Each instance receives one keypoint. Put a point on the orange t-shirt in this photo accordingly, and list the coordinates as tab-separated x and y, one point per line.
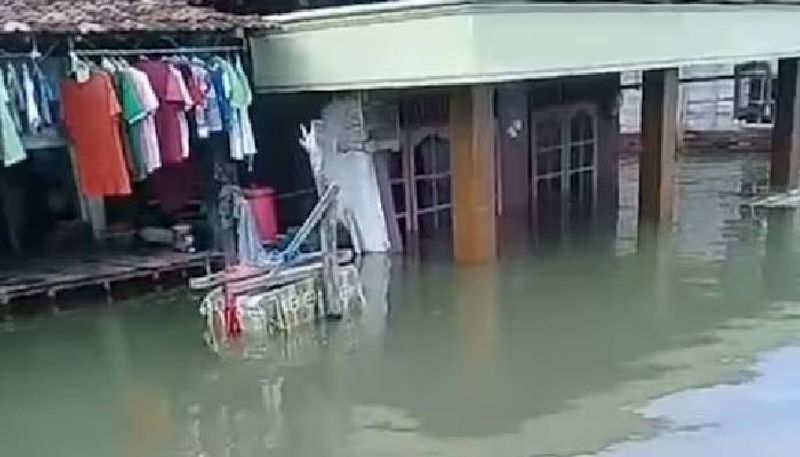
92	117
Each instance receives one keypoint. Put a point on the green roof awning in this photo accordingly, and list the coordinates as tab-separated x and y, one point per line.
423	43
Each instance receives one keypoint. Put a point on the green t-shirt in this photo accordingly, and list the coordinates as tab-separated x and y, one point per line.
239	92
247	94
133	112
132	108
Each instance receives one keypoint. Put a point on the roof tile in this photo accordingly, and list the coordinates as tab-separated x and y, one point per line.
110	16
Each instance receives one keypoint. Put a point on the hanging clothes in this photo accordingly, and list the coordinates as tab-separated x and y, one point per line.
222	93
235	136
45	96
201	83
173	186
16	98
146	129
248	139
133	114
112	70
11	147
92	119
188	104
238	229
33	118
213	113
193	86
170	105
239	97
235	99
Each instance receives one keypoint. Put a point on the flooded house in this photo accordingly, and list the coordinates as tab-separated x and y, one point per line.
450	137
485	118
453	127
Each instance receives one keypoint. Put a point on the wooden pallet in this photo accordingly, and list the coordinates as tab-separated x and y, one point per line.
51	277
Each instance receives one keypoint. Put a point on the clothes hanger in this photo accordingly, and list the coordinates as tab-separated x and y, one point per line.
75	66
35	55
107	64
82	68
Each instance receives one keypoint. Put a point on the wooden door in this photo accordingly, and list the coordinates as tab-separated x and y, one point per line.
564	167
420	177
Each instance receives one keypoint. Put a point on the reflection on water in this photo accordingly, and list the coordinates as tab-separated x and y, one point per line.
557	354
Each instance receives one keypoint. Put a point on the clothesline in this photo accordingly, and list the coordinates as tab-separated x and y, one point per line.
15	55
161	110
33	54
144	51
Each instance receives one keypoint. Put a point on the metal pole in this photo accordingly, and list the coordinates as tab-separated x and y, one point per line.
178	50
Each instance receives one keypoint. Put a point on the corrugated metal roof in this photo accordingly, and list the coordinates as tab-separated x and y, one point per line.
111	16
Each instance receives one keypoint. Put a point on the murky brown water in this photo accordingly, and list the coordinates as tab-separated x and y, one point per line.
686	350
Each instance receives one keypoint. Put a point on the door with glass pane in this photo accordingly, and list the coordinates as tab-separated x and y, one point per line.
564	165
421	186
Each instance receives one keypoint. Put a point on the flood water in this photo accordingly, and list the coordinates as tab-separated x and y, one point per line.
691	348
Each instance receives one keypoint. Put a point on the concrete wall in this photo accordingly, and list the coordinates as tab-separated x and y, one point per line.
348	161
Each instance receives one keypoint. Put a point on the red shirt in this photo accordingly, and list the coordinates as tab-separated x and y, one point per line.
92	117
170	104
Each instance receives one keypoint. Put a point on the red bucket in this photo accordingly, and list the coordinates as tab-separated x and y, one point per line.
262	202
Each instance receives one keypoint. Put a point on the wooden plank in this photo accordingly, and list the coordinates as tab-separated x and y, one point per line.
328	243
95	271
284	277
327	199
226	276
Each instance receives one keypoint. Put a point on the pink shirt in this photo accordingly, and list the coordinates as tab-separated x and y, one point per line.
171	106
187	105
